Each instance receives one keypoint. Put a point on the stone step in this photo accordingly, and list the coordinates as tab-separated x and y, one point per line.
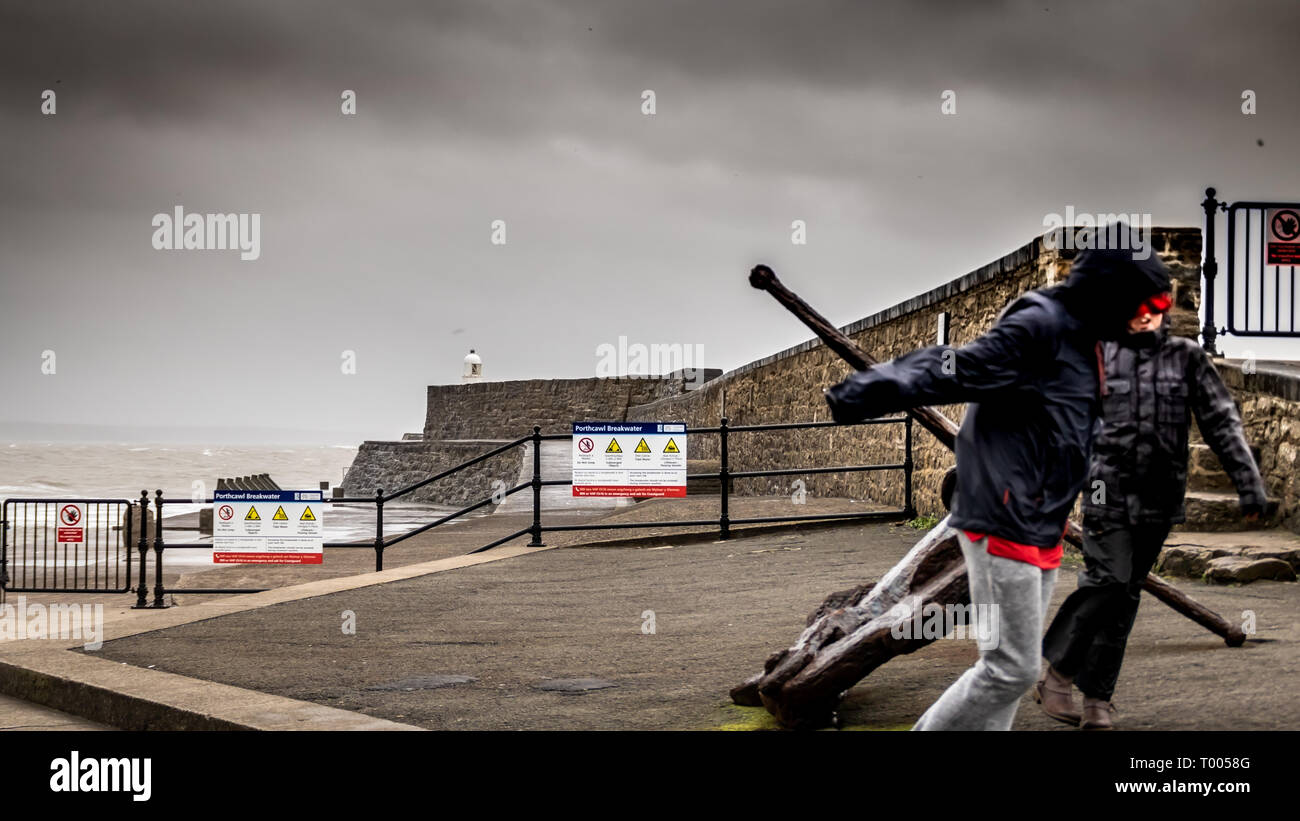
1217	511
1226	558
1204	471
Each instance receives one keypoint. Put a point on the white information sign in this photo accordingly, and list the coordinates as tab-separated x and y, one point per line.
267	527
629	459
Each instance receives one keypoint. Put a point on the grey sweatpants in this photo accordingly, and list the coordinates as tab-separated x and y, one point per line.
987	695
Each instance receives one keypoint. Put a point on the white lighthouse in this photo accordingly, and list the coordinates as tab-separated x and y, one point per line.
473	368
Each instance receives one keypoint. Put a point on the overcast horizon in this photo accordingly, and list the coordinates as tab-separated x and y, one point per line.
376	228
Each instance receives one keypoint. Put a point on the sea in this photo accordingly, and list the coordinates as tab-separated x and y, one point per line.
189	472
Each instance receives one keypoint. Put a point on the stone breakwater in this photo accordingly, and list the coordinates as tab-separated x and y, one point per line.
508	410
465	421
392	466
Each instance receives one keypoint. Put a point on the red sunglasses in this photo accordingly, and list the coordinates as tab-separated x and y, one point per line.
1158	304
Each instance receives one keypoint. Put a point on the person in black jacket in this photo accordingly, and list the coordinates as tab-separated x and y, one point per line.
1138	478
1032	382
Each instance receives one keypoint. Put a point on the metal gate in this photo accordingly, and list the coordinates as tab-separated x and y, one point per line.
1261	291
66	545
1263	251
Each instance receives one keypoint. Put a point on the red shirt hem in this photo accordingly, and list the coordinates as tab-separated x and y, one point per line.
1046	558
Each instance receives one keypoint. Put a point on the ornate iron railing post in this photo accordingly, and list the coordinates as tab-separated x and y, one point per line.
379	529
142	586
1209	269
537	488
724	477
908	509
158	551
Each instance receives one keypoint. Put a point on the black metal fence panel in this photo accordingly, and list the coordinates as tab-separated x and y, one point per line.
66	545
1261	268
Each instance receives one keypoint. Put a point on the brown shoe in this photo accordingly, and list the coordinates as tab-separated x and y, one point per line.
1054	694
1097	714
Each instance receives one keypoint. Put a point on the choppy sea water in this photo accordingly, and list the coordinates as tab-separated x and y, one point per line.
121	470
113	470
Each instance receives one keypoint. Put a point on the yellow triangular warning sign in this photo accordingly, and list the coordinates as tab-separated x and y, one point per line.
252	515
613	447
642	447
280	515
307	516
671	447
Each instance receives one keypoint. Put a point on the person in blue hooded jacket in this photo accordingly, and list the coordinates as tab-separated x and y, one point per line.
1033	383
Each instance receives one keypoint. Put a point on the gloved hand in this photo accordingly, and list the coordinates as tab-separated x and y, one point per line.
840	412
864	395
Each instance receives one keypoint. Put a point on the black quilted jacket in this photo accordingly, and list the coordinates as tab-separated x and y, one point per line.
1155	384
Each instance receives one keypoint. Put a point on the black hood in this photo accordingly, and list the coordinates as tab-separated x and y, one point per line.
1106	286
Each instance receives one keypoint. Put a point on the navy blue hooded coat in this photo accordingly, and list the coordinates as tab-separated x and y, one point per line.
1032	382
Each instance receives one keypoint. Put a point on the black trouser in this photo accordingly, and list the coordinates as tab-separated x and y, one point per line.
1086	639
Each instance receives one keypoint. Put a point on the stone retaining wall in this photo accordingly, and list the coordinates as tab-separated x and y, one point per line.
1270	410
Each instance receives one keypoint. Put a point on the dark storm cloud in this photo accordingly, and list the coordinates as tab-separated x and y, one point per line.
754	75
375	226
494	69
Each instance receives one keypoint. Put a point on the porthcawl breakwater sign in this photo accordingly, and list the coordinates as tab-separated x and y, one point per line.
267	527
641	459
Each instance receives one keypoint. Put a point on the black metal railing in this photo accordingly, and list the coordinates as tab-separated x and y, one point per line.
726	476
724	521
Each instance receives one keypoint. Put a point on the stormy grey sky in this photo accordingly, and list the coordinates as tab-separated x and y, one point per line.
375	228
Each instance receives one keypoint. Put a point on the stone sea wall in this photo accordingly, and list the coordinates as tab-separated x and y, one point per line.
508	410
391	466
464	421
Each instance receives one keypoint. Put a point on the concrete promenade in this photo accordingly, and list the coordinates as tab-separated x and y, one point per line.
578	635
